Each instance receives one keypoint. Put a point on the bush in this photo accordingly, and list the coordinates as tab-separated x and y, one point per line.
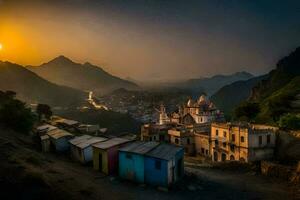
290	121
246	111
14	113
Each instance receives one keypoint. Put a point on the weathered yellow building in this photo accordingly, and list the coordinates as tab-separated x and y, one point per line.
155	132
243	142
183	136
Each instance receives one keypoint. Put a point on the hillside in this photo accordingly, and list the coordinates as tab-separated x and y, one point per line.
213	84
279	93
286	69
33	89
229	96
86	77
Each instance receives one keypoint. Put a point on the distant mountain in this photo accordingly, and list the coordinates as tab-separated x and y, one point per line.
279	93
33	89
86	77
229	96
213	84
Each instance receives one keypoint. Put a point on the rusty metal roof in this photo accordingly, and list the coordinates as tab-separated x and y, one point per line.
164	151
111	143
91	141
80	139
140	147
58	133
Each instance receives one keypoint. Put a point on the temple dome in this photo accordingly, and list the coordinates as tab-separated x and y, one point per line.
190	103
202	99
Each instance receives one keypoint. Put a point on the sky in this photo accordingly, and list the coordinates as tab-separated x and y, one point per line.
152	39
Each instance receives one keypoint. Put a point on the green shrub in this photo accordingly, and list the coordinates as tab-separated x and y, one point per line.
290	121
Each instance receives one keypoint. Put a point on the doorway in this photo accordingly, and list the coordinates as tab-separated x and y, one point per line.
100	162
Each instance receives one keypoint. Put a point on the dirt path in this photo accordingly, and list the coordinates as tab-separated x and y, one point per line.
240	185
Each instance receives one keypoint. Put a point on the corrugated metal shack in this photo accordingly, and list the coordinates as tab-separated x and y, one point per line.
105	155
131	160
164	165
60	139
81	147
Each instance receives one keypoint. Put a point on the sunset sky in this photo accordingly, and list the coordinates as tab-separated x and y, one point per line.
152	39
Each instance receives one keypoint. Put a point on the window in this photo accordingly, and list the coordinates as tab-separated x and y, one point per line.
154	137
188	141
224	133
216	142
242	139
158	164
206	152
176	141
260	140
232	148
268	139
224	144
217	132
233	138
128	156
202	150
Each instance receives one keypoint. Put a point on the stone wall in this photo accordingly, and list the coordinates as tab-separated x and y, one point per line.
288	173
288	147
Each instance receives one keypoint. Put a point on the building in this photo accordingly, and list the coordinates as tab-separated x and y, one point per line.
243	142
155	132
60	139
88	128
202	140
42	130
197	112
164	165
132	162
183	136
105	155
45	143
81	147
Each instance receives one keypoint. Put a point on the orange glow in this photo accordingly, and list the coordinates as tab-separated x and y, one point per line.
18	47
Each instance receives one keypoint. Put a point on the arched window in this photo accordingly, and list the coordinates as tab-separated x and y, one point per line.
232	157
176	141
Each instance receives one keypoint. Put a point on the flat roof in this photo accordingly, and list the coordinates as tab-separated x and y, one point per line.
80	139
47	127
91	141
111	143
58	133
140	147
164	151
67	121
44	137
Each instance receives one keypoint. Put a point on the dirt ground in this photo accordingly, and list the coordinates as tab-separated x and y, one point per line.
51	176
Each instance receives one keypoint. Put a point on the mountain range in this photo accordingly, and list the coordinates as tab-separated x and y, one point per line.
230	96
276	93
212	84
85	77
34	89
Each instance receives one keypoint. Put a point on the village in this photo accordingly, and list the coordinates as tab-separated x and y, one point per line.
164	152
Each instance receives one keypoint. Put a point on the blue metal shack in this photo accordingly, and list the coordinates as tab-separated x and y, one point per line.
164	165
131	160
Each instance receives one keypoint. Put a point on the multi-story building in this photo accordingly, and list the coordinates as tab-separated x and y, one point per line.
202	140
183	136
243	142
155	132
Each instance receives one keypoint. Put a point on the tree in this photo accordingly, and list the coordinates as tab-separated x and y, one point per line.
289	121
247	111
14	113
43	110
